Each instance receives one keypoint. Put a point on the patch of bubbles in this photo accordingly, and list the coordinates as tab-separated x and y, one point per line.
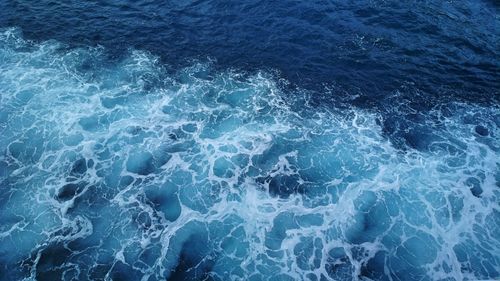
126	171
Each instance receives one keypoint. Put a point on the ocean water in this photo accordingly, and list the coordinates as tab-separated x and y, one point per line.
211	140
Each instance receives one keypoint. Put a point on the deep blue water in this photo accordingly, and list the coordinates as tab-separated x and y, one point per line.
252	140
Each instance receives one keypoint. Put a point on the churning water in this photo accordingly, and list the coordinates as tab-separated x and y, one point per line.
128	168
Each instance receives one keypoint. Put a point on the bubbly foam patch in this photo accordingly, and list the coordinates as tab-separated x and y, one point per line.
126	171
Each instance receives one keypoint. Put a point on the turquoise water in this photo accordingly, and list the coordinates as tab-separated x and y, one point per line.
129	170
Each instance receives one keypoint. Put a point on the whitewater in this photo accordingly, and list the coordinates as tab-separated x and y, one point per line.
129	170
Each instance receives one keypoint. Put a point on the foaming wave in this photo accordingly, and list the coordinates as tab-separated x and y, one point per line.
125	171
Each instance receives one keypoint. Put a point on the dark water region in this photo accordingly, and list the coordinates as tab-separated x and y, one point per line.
249	140
445	49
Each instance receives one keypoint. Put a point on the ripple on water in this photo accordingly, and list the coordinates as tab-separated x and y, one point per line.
230	176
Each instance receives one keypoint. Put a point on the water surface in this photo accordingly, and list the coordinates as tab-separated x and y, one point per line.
209	140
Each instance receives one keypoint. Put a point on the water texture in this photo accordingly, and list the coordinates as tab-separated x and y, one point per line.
153	141
372	47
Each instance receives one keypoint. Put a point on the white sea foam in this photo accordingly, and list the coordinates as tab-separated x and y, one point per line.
124	170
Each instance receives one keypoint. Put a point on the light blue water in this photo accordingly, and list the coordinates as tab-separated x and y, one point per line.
129	171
